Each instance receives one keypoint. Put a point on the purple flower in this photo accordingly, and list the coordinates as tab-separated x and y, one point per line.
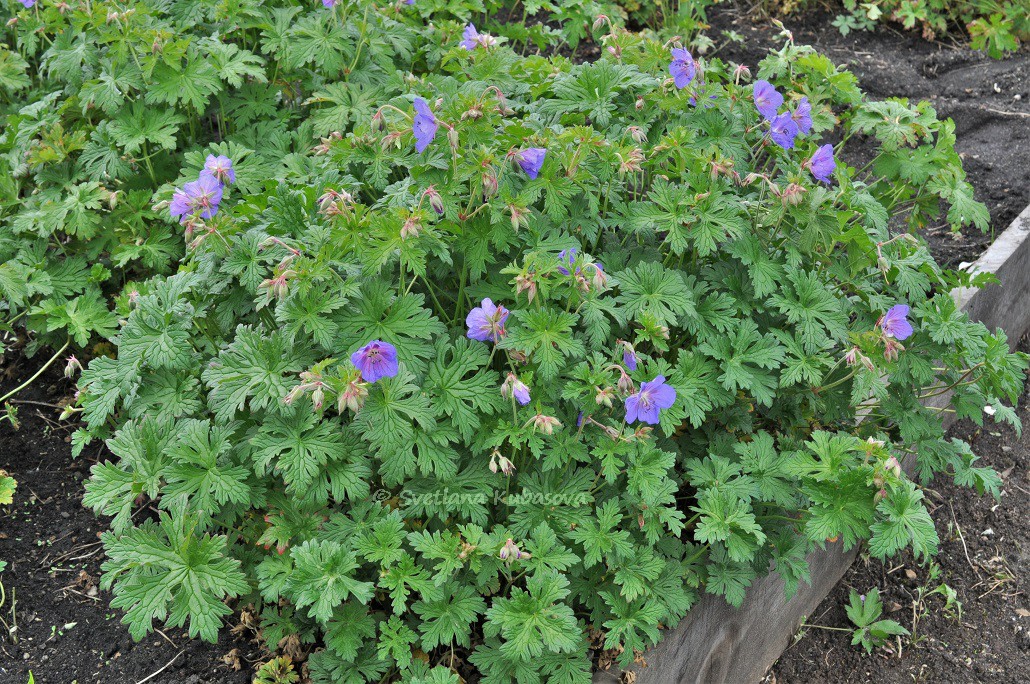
682	67
486	322
803	116
424	125
375	360
329	3
646	404
566	256
531	160
783	130
199	197
471	37
28	3
513	387
220	167
767	99
629	356
895	323
822	163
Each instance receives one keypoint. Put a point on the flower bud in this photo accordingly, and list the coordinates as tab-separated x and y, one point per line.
72	367
353	397
526	283
489	184
893	466
452	137
640	103
637	133
412	226
545	424
435	201
605	396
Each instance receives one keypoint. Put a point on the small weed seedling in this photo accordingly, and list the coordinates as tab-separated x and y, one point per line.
864	612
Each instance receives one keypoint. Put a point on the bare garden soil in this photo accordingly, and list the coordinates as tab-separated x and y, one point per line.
66	631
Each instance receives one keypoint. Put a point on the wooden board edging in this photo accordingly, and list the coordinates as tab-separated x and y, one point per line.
717	643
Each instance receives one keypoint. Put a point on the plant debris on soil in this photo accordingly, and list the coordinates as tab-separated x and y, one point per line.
984	556
67	631
988	99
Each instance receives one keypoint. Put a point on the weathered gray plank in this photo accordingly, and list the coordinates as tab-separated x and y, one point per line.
717	643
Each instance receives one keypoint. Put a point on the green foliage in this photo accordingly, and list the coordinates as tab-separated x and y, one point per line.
432	511
864	612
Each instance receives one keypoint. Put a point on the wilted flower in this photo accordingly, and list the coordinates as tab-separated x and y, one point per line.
486	321
199	197
631	163
72	367
895	323
802	116
375	360
783	130
220	167
822	164
767	99
682	67
531	160
647	403
793	194
513	387
566	256
424	125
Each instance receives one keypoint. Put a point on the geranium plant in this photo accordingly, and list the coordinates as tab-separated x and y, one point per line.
510	370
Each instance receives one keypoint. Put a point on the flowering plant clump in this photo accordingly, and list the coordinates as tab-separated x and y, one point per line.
524	355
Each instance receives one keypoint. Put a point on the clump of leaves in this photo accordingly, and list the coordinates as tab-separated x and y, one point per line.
525	355
993	26
864	611
277	671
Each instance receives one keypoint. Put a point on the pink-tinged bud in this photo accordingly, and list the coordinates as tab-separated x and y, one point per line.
880	495
279	285
435	201
511	552
392	139
637	133
792	194
353	397
513	388
599	280
625	383
631	162
412	226
526	283
452	138
893	466
318	398
601	20
605	396
493	461
615	51
111	17
378	122
851	357
741	72
891	347
640	103
663	330
545	424
519	217
875	444
12	21
72	367
489	184
473	112
293	395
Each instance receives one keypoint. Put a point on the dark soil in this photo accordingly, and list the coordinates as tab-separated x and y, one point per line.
989	100
66	630
984	556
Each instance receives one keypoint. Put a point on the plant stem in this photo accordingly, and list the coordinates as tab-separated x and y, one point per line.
38	373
